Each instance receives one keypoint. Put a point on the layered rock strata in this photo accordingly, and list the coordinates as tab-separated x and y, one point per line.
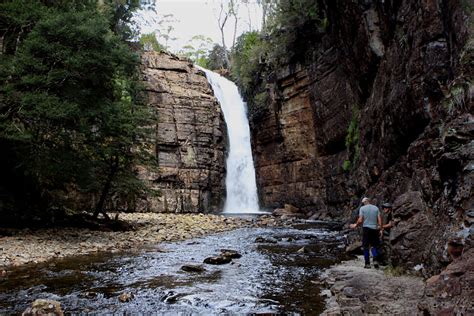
379	104
189	140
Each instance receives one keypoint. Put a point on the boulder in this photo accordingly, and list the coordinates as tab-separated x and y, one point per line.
288	211
216	260
269	240
355	248
44	307
230	253
408	204
451	291
193	268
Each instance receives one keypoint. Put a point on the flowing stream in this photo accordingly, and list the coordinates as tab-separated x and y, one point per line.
240	181
273	276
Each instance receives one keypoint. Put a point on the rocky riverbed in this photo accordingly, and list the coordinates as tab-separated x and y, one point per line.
273	270
34	246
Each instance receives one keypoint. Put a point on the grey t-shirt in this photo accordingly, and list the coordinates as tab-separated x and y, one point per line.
370	214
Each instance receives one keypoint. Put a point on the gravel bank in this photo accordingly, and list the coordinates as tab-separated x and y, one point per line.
33	246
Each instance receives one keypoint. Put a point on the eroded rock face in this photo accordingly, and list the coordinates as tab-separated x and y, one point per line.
401	73
189	143
451	292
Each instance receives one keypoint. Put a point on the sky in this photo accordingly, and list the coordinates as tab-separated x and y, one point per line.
196	17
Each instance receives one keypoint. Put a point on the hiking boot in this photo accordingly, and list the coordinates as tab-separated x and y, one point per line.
367	266
376	265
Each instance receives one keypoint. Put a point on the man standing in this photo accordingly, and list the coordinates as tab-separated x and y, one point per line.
387	224
370	219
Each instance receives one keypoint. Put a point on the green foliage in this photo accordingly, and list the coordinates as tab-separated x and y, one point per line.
248	70
247	54
119	14
149	42
197	49
353	141
289	26
70	106
217	58
346	166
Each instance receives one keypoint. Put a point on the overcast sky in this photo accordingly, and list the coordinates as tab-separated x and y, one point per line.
196	17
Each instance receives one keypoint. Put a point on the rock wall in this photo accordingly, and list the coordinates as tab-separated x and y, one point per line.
396	76
189	140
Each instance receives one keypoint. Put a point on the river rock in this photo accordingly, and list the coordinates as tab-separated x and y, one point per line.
355	248
125	297
269	240
303	250
193	268
44	307
230	253
216	260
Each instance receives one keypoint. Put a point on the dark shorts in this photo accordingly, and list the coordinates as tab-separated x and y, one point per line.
370	237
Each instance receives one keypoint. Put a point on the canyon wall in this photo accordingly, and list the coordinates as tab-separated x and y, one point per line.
378	104
189	138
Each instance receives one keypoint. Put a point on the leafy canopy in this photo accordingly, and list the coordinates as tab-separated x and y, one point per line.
69	101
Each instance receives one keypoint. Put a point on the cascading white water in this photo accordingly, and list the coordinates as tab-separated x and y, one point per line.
240	179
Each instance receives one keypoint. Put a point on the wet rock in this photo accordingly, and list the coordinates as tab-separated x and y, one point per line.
125	297
44	307
270	240
303	250
216	260
230	253
351	292
89	295
171	297
355	248
193	268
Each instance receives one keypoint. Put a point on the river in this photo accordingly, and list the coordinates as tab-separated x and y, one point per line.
274	275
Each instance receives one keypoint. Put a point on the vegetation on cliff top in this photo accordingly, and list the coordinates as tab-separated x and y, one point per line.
69	104
289	27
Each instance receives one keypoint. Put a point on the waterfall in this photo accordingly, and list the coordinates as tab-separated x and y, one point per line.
240	181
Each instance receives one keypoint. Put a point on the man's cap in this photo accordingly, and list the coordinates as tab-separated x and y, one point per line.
387	205
365	199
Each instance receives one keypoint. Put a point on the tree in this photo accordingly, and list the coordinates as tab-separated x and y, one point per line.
197	49
69	107
227	9
149	42
217	58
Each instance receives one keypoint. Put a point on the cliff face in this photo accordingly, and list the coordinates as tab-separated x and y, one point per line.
380	105
189	141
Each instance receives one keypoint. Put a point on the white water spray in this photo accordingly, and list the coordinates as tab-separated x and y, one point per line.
240	179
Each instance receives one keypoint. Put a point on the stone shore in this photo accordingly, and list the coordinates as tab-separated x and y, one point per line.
353	290
33	246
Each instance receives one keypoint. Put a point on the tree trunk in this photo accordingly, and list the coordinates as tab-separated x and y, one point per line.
105	191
